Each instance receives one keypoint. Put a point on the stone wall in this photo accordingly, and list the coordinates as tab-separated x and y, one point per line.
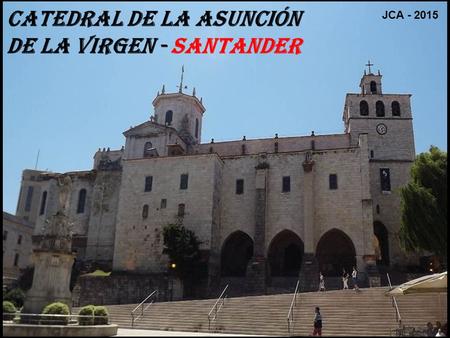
102	221
138	240
13	228
267	145
119	289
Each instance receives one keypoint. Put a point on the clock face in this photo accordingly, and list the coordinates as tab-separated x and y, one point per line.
381	129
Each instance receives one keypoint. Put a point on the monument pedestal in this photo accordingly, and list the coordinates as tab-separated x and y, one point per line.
51	281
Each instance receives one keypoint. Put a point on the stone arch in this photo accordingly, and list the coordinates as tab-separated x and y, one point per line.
196	128
379	109
382	236
148	146
395	106
363	108
169	116
81	201
285	254
335	251
237	250
373	87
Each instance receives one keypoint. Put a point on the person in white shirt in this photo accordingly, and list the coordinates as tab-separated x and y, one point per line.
355	279
345	279
440	333
321	282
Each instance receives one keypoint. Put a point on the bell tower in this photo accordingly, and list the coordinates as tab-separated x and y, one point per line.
180	111
370	83
386	119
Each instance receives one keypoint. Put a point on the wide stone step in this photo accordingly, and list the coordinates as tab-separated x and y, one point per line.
371	312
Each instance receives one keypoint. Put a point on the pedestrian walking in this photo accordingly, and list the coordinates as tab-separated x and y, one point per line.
355	279
321	282
345	279
317	323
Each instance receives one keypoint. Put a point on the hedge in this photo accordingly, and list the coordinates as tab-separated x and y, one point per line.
15	296
55	308
9	310
100	315
87	310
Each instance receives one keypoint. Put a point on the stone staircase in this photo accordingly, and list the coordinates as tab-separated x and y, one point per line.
345	312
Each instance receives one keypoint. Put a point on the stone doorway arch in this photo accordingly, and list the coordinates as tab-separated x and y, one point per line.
285	254
335	251
382	235
236	252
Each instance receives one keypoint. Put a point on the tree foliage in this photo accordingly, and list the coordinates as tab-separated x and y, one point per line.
182	247
424	204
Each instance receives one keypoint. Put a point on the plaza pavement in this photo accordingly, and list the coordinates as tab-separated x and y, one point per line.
162	333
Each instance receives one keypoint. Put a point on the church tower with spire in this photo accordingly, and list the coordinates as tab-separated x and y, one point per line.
180	111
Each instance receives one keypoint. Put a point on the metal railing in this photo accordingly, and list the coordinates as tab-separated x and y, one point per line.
141	305
55	319
217	306
290	317
398	317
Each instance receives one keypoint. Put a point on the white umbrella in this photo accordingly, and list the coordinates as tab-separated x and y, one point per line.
431	283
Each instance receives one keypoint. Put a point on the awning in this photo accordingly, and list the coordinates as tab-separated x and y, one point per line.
431	283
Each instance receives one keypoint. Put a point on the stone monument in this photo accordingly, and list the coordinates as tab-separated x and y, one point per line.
52	257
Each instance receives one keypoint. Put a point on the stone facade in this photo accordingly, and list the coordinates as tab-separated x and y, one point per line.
302	204
17	246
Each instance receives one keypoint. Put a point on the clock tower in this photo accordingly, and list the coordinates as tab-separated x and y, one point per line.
387	121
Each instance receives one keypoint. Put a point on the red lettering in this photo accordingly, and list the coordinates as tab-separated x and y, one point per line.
194	46
179	43
265	48
211	44
295	45
255	43
280	46
224	44
239	46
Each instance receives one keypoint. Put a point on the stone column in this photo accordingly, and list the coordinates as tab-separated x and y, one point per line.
256	268
309	271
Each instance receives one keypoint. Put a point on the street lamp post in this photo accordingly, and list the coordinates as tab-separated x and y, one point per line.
171	277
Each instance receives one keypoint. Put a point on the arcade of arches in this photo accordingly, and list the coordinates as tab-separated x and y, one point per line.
335	251
285	254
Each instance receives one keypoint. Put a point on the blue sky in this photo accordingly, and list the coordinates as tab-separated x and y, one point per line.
68	106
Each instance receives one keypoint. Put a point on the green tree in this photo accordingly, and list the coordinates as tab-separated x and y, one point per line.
182	247
424	204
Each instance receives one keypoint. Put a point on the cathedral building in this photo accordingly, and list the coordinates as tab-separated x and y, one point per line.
264	209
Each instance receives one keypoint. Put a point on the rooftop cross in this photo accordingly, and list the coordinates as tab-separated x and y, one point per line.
369	64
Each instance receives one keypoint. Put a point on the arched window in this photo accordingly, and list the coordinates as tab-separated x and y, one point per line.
196	128
395	108
181	208
373	87
43	201
145	211
379	108
81	201
169	115
363	108
148	149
